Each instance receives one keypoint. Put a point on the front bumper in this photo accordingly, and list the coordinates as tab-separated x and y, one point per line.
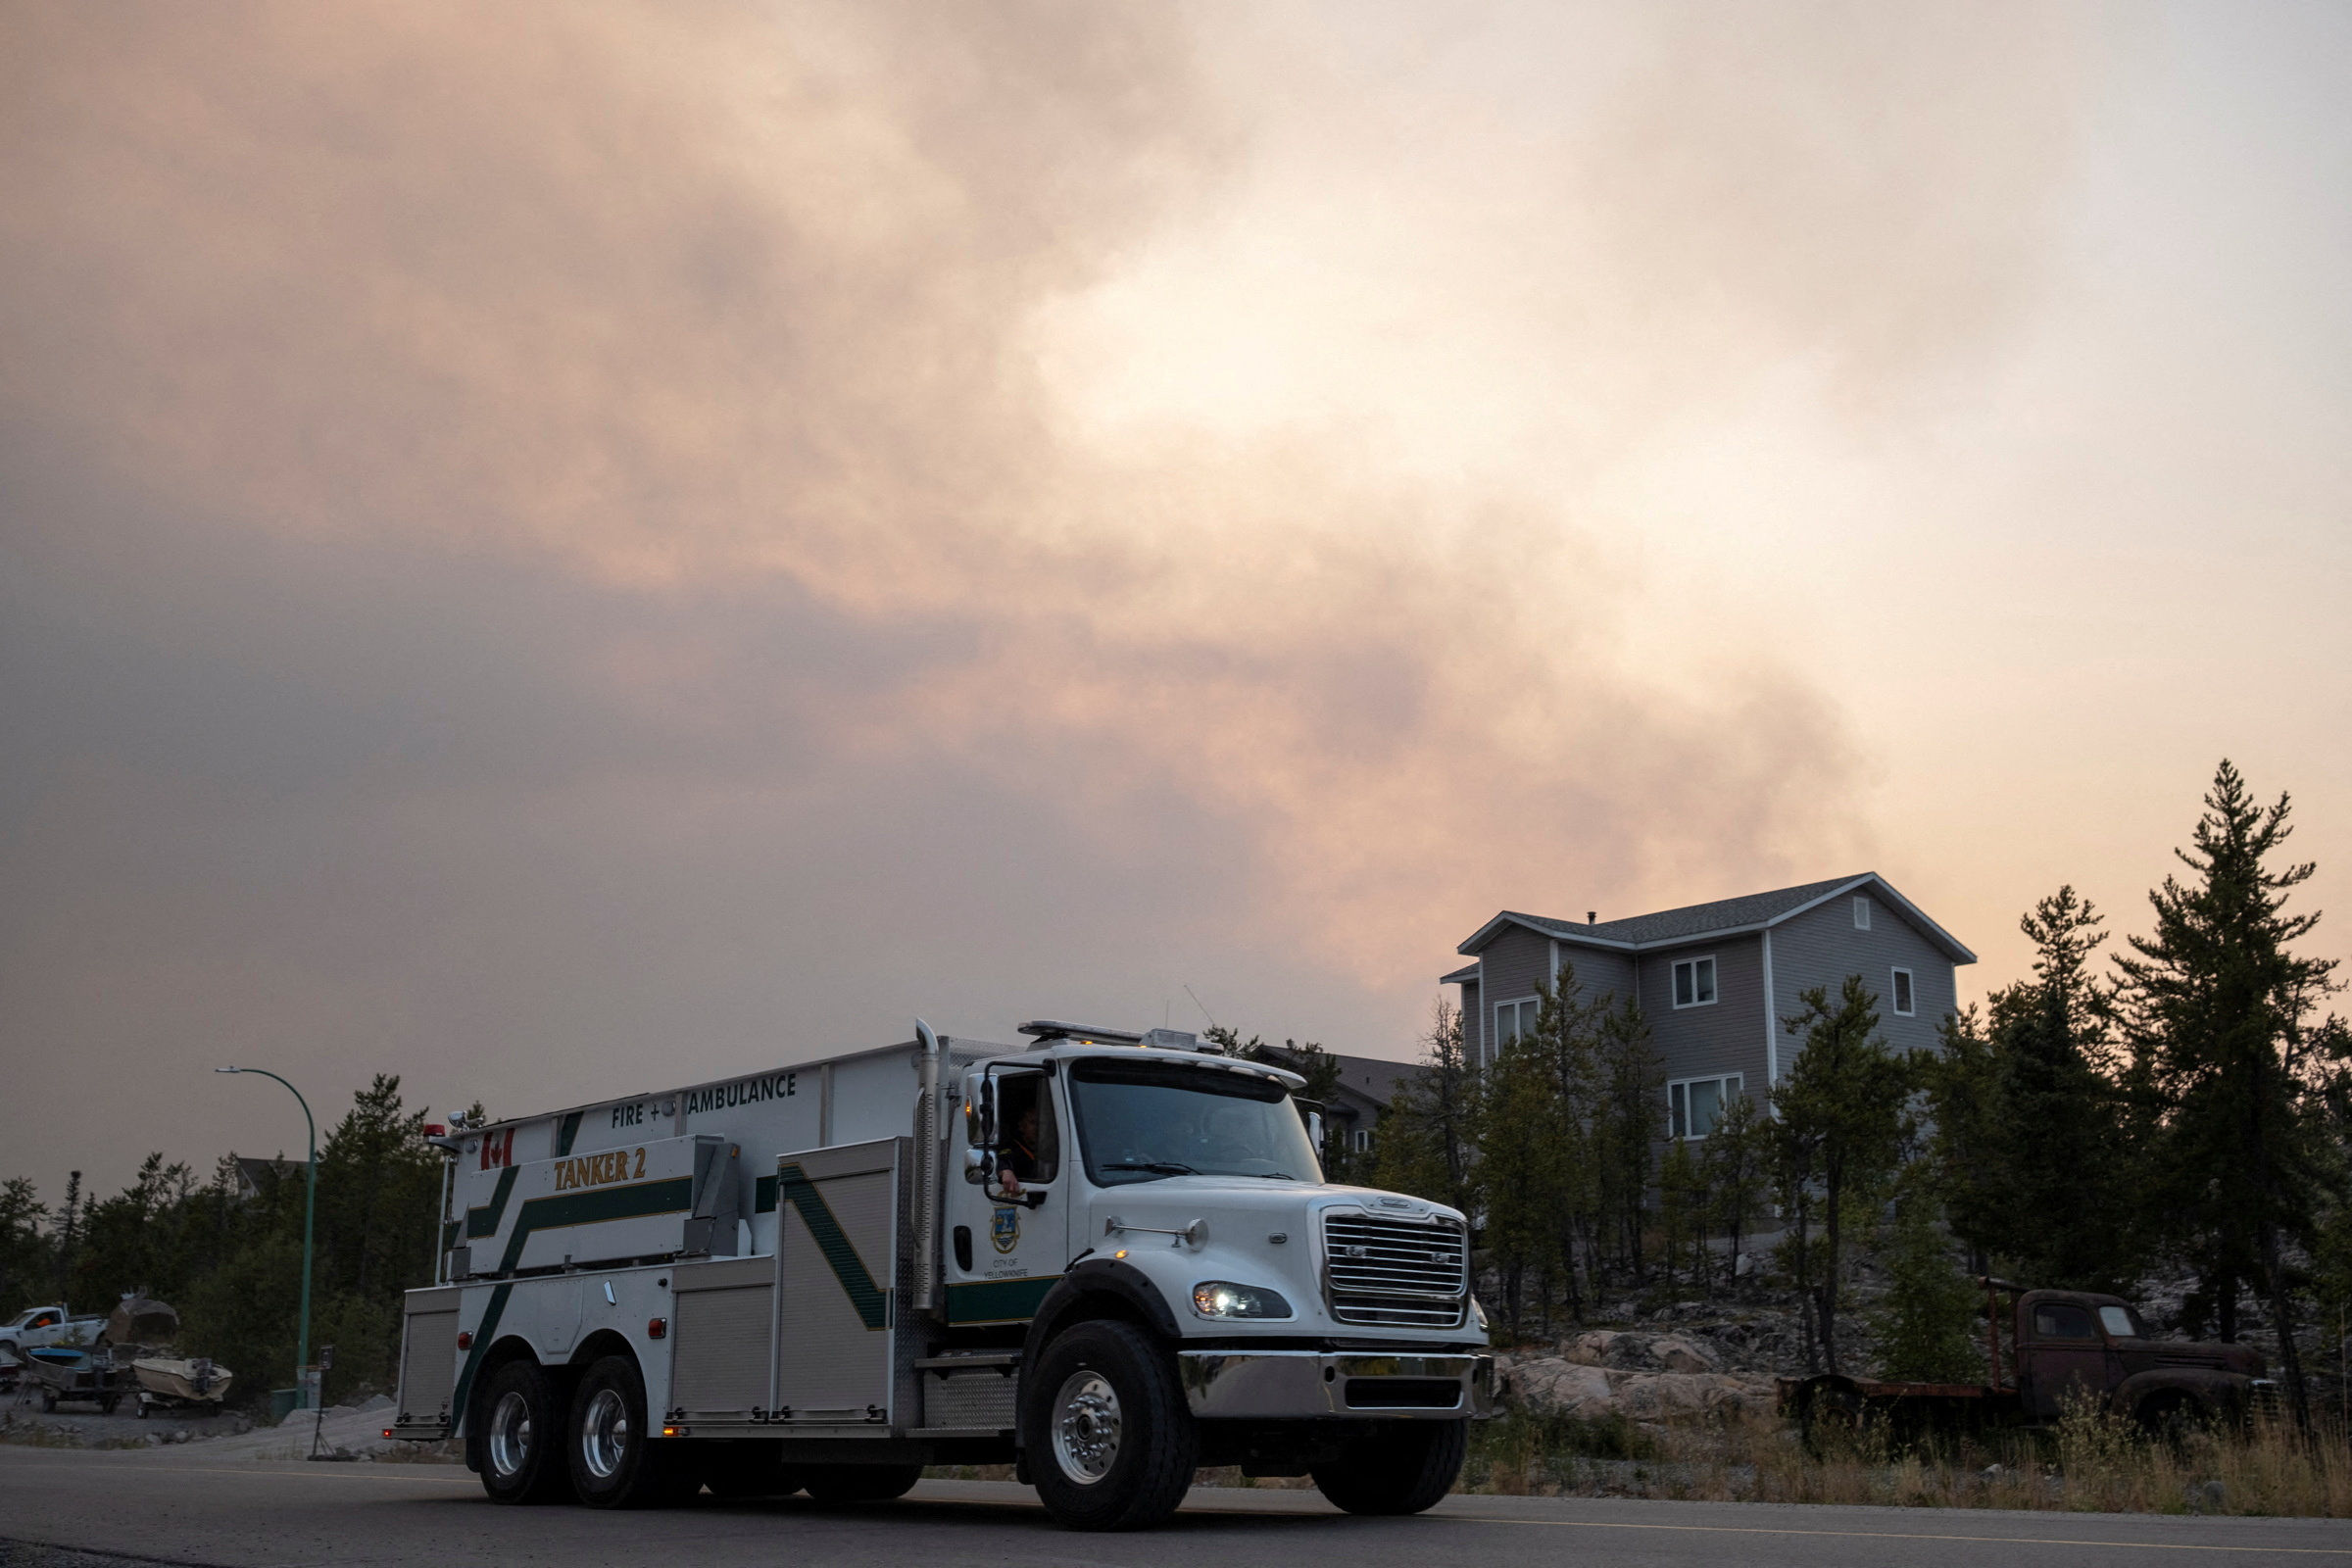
1286	1385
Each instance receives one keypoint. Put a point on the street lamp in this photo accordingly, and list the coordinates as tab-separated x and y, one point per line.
309	1212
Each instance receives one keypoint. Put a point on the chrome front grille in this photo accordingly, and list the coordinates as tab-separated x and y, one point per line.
1392	1271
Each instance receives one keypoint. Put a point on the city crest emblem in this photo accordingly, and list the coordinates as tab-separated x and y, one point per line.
1005	1229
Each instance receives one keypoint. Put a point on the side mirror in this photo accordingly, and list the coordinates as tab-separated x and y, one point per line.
1314	1130
975	1165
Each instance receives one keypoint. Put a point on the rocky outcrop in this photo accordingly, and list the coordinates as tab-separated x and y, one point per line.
1556	1384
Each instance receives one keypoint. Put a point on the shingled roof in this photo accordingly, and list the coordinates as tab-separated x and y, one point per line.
1752	912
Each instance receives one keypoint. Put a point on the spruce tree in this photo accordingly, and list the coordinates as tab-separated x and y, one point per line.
2220	1012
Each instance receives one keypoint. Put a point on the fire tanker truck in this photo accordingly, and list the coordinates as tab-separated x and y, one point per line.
1104	1257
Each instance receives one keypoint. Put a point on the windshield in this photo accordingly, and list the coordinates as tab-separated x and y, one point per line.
1139	1122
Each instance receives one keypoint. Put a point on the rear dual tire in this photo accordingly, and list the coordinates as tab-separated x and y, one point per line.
518	1447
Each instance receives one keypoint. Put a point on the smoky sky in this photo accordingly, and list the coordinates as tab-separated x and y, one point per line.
551	551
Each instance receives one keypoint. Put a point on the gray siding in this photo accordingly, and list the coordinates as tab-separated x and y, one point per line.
1470	1010
1511	968
1599	971
1820	948
1702	1042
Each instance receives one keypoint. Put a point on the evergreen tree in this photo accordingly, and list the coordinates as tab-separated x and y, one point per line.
2222	1017
1924	1325
1428	1138
2032	1136
1735	1169
1842	1125
24	1268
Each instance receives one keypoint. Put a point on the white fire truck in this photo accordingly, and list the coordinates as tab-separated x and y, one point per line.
1119	1262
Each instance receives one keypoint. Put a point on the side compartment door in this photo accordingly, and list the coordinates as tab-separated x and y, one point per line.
723	1331
429	1362
842	1216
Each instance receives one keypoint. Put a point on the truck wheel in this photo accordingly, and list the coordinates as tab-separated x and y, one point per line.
1108	1435
615	1461
1404	1470
522	1423
745	1468
860	1482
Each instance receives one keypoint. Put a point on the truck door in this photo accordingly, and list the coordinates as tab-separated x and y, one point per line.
2066	1354
1009	1216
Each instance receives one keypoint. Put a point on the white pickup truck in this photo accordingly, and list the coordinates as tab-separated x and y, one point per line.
42	1326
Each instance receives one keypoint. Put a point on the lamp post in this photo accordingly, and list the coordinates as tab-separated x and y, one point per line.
310	1213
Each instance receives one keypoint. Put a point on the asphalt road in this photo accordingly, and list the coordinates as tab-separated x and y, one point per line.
173	1505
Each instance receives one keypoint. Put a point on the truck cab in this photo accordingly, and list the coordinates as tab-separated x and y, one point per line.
2075	1345
1310	1328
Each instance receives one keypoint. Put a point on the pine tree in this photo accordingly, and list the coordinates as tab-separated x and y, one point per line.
1842	1123
1428	1138
1735	1169
2221	1014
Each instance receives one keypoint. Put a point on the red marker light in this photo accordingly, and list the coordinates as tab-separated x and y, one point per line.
434	1129
387	1432
657	1328
465	1339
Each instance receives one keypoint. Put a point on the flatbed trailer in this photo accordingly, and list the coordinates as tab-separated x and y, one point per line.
1104	1257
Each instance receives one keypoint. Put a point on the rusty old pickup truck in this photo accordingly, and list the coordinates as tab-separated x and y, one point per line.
2065	1347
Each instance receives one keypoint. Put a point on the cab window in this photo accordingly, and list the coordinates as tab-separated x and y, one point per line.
2118	1323
1028	1142
2059	1320
45	1321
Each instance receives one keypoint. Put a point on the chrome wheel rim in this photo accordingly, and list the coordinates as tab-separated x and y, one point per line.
1086	1427
510	1434
605	1434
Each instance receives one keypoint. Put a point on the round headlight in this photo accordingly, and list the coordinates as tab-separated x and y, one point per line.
1223	1298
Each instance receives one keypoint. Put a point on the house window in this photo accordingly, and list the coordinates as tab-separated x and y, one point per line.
1360	1140
1511	1020
1693	1105
1861	914
1694	982
1902	992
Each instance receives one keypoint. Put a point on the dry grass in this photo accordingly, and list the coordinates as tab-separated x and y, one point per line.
2091	1463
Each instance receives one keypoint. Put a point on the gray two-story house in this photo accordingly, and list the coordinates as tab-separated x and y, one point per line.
1716	980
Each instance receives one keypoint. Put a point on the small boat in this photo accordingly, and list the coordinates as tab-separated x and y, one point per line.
65	1373
170	1380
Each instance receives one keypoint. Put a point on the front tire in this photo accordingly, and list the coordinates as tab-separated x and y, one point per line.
1109	1440
521	1442
1404	1470
615	1461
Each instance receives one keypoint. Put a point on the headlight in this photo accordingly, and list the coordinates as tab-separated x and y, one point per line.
1221	1298
1478	1314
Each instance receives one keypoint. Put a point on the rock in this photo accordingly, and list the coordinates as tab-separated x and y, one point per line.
382	1401
1678	1354
1553	1386
1591	1350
